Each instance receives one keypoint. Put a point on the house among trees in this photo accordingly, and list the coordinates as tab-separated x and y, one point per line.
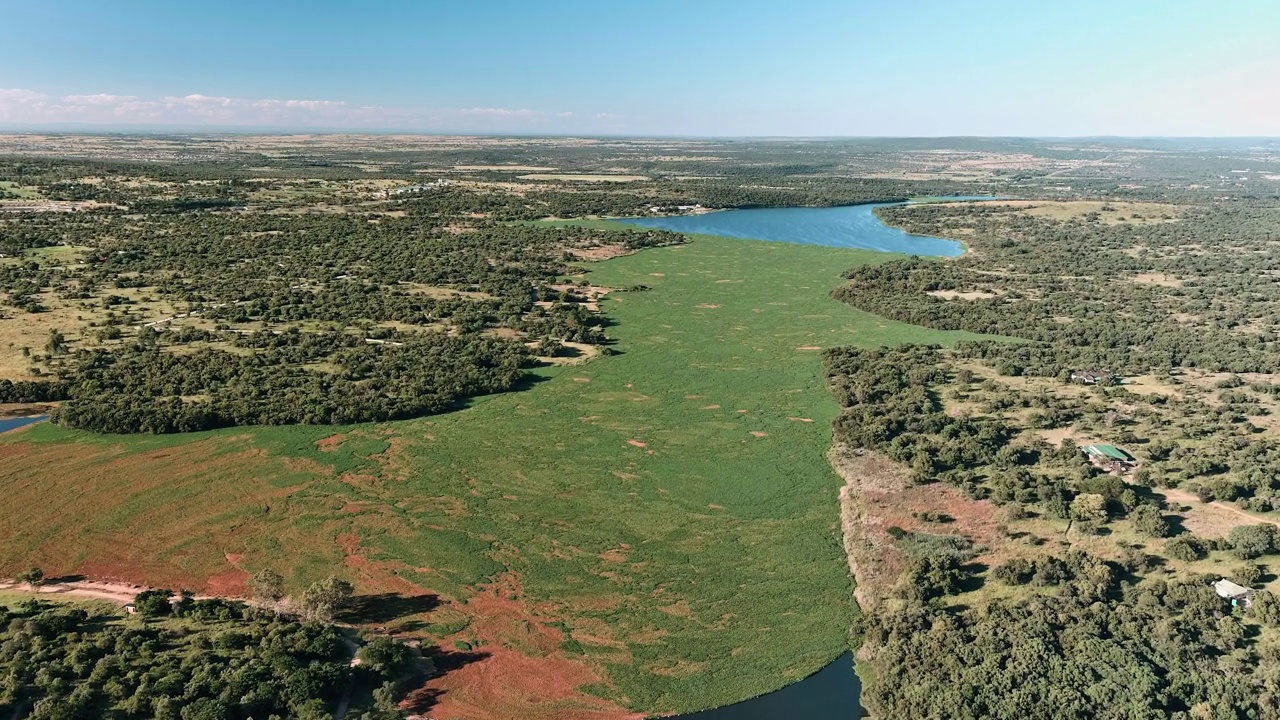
1109	458
1239	595
1090	377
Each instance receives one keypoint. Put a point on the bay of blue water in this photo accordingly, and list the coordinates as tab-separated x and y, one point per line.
7	424
853	226
829	694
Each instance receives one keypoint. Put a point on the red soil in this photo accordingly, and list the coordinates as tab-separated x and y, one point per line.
497	682
331	443
232	583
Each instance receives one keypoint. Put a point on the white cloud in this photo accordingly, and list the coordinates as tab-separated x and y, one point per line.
100	99
31	108
15	95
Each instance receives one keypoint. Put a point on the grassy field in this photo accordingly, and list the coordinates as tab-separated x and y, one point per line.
23	192
668	508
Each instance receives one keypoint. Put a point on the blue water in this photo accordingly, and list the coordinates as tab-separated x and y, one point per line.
853	226
830	694
8	424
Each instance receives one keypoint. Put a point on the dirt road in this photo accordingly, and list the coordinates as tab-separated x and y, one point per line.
1183	497
122	593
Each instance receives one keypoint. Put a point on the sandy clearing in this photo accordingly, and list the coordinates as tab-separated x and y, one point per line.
1213	519
957	295
1157	279
600	252
637	443
120	592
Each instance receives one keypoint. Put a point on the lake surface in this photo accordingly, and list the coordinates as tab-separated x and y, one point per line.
853	226
7	424
829	694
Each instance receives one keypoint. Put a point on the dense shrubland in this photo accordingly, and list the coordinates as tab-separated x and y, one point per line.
193	660
1187	300
1090	643
303	319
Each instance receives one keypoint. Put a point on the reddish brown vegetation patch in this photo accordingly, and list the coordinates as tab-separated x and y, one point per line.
878	496
231	583
516	671
148	497
392	460
331	443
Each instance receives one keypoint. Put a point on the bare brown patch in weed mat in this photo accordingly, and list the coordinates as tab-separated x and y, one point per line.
877	496
167	517
507	664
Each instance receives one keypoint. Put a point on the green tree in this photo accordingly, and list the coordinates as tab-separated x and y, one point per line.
386	656
57	344
33	577
1089	507
267	585
1251	541
1185	547
154	603
386	706
1249	574
325	598
1150	521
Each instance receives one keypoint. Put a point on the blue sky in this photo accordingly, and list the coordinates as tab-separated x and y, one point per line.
694	67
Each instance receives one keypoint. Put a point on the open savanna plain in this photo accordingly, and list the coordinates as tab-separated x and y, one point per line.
653	531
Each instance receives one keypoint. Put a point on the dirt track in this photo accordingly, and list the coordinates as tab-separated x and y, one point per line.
122	593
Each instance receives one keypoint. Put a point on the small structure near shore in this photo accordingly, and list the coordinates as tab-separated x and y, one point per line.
1110	458
1239	595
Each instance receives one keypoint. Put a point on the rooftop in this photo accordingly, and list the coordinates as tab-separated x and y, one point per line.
1228	589
1110	451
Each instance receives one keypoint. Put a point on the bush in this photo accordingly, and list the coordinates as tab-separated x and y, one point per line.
1186	548
1249	574
1251	541
1150	521
386	656
932	577
154	603
1017	571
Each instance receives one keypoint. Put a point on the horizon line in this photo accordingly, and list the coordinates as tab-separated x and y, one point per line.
179	129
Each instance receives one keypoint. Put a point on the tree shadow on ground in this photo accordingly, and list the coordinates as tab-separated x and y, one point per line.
421	700
66	579
974	578
386	607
